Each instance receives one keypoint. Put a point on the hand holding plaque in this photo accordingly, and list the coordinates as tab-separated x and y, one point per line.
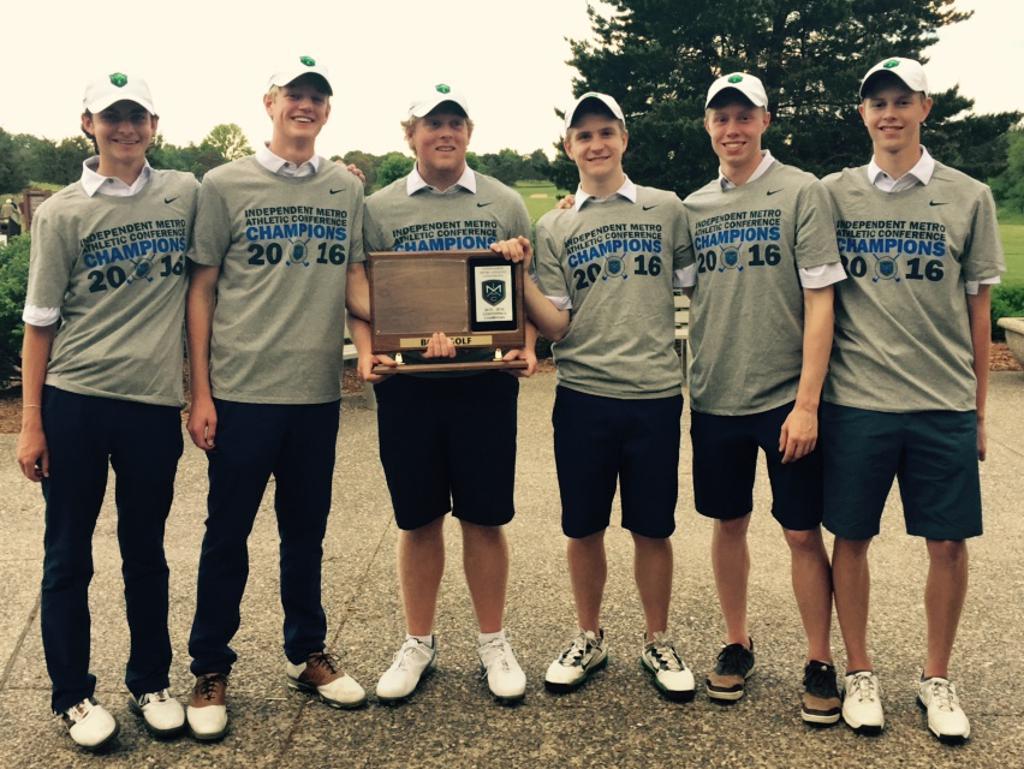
474	297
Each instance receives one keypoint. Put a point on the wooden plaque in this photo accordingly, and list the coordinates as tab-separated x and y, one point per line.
474	297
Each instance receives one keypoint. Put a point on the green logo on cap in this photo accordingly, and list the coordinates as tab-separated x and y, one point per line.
891	63
119	79
442	88
735	78
309	61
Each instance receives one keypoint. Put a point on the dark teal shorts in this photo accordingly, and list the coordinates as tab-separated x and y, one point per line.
934	454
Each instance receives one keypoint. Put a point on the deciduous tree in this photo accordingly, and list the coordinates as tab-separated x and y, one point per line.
228	140
1009	185
13	169
393	166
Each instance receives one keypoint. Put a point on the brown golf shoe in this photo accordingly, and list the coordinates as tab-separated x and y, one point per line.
207	712
321	675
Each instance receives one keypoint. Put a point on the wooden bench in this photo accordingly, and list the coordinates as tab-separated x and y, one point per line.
348	352
682	322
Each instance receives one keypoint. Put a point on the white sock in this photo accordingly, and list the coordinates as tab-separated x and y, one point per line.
484	638
426	640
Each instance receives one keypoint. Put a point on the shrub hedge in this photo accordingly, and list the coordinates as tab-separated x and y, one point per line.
13	279
1007	301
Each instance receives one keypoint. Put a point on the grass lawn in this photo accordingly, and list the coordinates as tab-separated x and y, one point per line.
540	197
1011	227
1013	245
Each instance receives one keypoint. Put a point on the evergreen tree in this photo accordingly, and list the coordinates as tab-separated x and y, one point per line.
658	57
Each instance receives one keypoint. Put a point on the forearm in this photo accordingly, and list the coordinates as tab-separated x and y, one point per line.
819	319
359	332
35	355
549	320
979	309
531	336
200	306
357	292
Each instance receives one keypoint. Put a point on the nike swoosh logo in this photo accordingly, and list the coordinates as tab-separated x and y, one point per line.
772	192
481	205
335	192
933	203
648	208
171	200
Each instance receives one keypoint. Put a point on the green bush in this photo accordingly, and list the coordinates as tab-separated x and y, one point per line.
1007	302
13	279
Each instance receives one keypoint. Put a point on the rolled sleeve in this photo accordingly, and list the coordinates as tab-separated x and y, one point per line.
560	302
47	316
821	276
686	277
971	287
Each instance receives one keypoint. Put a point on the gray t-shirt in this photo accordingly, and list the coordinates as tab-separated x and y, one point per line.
455	220
283	245
115	268
614	261
747	309
903	336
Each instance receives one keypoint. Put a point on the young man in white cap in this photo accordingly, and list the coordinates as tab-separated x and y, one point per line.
275	236
605	269
905	396
760	331
101	383
461	417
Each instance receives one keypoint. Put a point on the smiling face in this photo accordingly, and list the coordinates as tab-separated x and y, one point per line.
893	115
439	140
596	143
736	127
122	132
298	110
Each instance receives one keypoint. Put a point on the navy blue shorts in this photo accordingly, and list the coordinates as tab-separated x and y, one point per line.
599	441
725	460
934	454
449	444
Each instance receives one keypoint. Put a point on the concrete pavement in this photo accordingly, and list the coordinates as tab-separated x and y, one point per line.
616	720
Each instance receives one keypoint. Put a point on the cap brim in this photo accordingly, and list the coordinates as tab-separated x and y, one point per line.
425	108
731	90
102	103
318	75
886	73
612	108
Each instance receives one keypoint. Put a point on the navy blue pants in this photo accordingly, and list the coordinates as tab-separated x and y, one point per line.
142	442
295	443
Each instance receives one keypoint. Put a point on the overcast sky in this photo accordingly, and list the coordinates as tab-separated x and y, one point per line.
207	62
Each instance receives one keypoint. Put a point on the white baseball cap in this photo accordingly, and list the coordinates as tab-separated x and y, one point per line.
117	86
296	68
427	100
748	85
909	71
604	98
